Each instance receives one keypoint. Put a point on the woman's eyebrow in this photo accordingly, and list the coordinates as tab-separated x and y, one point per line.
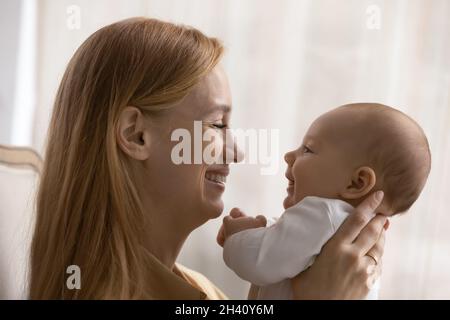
225	108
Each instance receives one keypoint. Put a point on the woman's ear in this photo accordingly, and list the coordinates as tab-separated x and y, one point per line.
362	182
132	135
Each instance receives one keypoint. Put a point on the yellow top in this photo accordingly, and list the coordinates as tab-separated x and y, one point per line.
201	284
181	283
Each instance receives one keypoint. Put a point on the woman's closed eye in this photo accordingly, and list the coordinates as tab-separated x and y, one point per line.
219	125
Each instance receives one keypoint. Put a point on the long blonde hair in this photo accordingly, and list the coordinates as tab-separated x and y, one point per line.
88	210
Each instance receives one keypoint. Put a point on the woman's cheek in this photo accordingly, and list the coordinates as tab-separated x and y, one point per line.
213	146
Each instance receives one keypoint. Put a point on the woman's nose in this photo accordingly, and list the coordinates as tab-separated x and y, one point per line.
232	152
239	154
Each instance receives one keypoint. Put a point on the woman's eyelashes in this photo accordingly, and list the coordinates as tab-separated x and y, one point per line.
219	126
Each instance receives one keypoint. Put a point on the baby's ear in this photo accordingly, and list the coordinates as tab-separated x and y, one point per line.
362	182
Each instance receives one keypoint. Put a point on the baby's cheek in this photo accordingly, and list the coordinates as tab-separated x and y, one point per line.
309	183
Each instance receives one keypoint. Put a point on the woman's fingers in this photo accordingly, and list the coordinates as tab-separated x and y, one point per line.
342	270
370	235
356	222
372	273
378	270
378	249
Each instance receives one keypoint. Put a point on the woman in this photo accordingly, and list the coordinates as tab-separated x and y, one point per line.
113	202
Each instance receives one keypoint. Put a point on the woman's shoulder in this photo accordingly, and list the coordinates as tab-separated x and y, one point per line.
202	283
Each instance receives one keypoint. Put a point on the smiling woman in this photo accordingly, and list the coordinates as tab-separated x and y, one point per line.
106	199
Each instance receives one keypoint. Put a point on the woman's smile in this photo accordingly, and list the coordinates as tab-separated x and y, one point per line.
217	175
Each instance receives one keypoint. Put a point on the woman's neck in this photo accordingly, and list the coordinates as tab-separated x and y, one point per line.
165	242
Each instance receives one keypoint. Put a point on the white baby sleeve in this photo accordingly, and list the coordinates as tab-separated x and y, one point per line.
265	256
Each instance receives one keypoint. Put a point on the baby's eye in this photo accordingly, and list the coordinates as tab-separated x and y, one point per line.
306	149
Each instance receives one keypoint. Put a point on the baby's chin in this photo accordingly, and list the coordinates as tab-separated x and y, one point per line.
288	202
291	200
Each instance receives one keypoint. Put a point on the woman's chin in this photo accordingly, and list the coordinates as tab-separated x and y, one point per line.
212	198
216	209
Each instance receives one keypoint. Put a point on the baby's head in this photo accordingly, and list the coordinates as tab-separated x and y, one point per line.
357	149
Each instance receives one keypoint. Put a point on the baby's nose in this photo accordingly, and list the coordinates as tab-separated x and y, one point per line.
289	157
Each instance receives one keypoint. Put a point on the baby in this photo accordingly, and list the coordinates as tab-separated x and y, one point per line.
347	154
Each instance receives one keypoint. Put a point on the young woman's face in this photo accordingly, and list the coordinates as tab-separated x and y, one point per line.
191	191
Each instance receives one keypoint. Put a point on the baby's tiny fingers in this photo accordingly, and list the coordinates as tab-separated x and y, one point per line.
220	237
226	220
237	213
261	219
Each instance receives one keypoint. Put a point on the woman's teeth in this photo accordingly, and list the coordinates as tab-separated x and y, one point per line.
216	177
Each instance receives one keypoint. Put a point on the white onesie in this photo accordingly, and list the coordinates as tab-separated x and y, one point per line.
268	257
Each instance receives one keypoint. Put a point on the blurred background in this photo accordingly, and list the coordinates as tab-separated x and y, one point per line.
288	61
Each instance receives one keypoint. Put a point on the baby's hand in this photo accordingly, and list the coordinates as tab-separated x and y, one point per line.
236	222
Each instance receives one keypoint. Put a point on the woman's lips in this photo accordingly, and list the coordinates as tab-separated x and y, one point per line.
217	175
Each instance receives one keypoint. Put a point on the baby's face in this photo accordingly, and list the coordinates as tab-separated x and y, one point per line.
322	165
356	149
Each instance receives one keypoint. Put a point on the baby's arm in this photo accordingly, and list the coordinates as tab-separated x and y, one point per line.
237	221
265	256
235	225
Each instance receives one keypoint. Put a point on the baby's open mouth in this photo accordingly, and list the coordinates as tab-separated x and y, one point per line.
290	179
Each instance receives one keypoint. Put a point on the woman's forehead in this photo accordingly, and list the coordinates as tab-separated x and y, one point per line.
210	95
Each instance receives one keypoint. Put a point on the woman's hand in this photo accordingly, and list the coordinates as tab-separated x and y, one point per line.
350	261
